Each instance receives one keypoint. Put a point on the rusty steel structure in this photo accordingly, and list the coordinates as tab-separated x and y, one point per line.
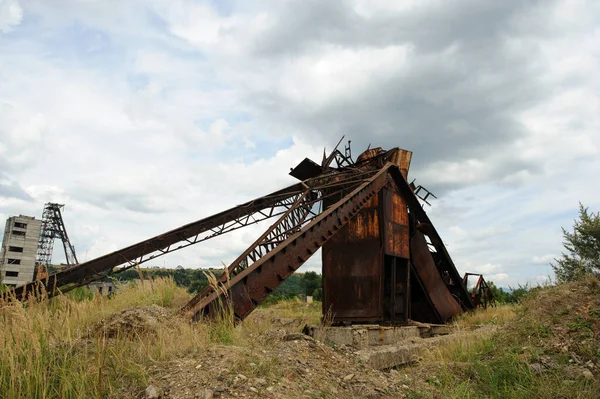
481	293
383	260
53	227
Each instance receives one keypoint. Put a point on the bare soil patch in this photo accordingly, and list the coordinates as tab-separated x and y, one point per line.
141	320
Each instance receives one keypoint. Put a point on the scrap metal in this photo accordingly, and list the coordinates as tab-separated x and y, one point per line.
481	293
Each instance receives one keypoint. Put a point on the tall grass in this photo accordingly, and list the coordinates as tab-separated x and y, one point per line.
49	349
56	348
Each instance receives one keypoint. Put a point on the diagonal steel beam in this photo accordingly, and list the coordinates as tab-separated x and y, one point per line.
253	284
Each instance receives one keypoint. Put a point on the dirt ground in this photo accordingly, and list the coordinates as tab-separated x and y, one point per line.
556	332
134	321
277	365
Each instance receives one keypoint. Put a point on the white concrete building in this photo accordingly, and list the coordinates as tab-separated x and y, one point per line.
19	250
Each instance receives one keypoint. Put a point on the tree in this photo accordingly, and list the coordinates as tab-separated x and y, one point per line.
311	283
582	247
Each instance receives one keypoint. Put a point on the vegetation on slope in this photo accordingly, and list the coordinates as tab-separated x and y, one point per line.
546	347
83	345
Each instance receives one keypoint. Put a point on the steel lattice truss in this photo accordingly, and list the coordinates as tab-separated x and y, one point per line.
303	226
252	212
53	227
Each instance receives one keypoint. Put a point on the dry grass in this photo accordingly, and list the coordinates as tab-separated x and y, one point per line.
543	348
496	315
49	350
295	309
57	348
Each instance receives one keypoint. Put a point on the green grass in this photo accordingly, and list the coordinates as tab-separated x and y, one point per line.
498	365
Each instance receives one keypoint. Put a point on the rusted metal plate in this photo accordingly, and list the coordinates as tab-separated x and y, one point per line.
402	159
306	169
352	268
257	281
432	282
447	265
369	154
396	238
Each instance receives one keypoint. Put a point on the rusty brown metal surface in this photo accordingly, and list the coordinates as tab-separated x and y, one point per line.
481	293
444	262
352	260
257	281
438	292
396	238
401	158
377	266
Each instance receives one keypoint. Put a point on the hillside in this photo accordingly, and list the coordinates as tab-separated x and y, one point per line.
136	345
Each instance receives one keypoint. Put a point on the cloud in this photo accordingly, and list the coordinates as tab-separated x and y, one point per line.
544	259
150	115
498	277
12	189
11	14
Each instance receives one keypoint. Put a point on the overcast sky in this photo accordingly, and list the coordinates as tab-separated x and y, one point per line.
144	115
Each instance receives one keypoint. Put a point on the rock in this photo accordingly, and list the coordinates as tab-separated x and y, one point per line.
537	368
198	367
152	392
207	394
297	337
589	364
261	382
348	377
587	374
239	379
253	389
270	389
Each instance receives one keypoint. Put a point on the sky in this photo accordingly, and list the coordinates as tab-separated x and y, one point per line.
142	116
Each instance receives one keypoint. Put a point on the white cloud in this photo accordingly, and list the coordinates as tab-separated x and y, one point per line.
498	277
544	259
11	14
184	110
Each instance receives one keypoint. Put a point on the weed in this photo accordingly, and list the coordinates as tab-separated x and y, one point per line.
580	323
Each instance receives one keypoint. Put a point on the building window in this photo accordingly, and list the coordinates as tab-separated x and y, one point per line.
21	225
14	261
18	233
12	274
15	249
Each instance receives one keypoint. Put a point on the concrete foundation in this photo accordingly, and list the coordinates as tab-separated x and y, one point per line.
385	347
363	336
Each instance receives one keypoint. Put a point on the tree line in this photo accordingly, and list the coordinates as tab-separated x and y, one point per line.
194	280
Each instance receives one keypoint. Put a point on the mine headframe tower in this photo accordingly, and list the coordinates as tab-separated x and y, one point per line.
53	227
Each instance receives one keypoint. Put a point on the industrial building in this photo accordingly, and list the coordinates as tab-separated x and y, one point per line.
28	244
19	250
